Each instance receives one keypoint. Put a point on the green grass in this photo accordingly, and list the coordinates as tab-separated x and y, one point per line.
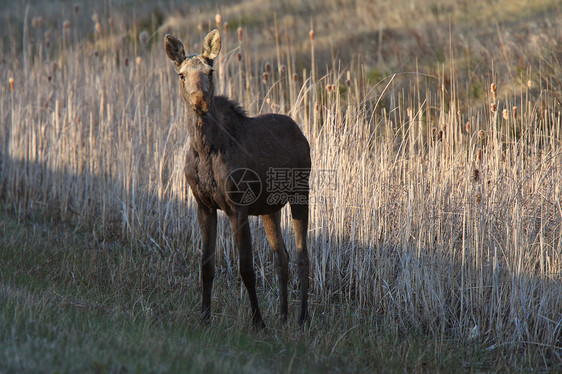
70	304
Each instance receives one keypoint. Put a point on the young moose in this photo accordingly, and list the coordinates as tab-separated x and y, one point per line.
231	165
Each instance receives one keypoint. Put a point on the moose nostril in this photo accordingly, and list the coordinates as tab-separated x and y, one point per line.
198	102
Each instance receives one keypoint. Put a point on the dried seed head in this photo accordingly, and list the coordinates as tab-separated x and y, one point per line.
139	60
479	157
493	89
218	19
265	77
239	34
281	69
225	27
481	134
444	126
409	113
505	114
98	27
333	88
476	175
126	61
316	107
48	38
433	130
440	135
143	38
268	67
514	112
200	27
239	56
493	107
311	35
529	84
328	88
467	126
478	197
268	101
11	82
66	25
37	22
295	77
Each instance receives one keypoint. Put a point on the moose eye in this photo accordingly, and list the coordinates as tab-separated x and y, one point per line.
181	76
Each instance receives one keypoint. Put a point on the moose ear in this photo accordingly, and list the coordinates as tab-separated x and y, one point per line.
211	45
174	49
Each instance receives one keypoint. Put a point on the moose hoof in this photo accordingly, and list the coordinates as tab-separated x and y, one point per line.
259	324
206	318
304	318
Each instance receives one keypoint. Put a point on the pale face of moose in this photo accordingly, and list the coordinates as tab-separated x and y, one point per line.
195	71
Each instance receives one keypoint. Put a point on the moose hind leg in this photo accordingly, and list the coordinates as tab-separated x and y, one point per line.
272	225
243	238
207	218
300	223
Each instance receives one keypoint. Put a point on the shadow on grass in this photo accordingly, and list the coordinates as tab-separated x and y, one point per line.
398	291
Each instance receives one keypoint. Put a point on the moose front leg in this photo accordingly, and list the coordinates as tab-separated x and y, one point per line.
243	238
207	218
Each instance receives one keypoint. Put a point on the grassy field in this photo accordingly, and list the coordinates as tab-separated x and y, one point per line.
436	214
71	304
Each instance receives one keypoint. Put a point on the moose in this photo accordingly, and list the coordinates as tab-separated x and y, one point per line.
232	164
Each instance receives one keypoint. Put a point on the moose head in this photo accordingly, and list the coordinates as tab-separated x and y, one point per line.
195	71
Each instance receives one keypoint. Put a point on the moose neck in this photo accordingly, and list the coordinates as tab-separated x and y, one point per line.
208	131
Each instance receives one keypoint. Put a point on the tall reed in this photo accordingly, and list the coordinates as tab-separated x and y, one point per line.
429	217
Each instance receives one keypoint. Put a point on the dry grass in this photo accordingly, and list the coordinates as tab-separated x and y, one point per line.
443	215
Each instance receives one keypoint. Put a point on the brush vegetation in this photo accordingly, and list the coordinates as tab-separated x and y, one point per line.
435	228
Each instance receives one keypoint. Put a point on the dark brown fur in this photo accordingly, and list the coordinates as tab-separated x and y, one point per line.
224	144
